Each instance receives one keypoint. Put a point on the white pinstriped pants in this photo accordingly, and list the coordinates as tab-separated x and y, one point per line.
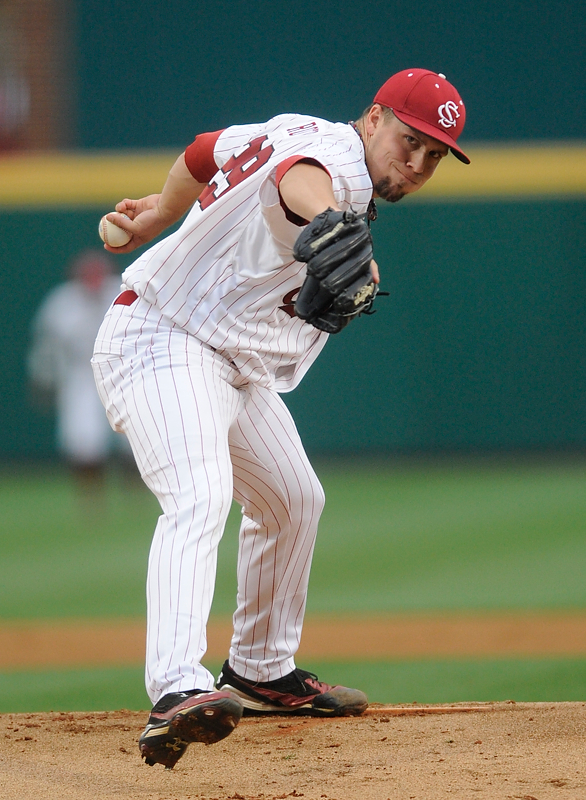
201	436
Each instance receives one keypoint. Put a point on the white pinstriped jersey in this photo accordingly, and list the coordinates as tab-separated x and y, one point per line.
227	275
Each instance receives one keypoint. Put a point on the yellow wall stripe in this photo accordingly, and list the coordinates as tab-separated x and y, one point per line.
101	178
81	179
550	169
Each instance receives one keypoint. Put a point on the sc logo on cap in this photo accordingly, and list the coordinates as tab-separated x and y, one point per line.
448	114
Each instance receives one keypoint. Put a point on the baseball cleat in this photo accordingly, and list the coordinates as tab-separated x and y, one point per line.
299	692
180	718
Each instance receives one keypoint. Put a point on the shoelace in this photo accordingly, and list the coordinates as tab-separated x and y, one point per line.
302	675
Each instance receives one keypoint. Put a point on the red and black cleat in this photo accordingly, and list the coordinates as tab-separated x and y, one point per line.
299	692
180	718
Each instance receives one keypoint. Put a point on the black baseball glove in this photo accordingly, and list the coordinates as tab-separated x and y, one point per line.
337	247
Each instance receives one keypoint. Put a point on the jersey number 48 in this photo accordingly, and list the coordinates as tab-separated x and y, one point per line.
236	169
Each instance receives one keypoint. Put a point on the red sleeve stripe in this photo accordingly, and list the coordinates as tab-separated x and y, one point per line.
286	165
282	168
199	156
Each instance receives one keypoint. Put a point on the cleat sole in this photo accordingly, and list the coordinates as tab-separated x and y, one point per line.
210	723
207	723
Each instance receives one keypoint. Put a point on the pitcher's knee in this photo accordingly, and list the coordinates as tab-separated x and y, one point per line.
309	503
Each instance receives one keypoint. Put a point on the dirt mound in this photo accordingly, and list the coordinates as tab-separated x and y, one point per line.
530	751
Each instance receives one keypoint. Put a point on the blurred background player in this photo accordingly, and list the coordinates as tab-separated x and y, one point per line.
63	333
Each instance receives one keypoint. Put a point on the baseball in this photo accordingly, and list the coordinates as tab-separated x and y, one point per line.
112	234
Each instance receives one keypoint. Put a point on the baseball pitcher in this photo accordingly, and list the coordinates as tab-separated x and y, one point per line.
214	322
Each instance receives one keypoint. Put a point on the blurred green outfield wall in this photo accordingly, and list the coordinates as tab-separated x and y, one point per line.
481	344
154	74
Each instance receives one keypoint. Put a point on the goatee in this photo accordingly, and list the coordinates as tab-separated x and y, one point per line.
388	191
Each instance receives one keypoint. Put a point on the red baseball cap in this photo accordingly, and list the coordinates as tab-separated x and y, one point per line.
427	102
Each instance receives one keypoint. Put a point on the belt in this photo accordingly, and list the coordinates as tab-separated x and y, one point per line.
127	298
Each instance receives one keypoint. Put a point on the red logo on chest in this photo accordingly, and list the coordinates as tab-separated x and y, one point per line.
289	302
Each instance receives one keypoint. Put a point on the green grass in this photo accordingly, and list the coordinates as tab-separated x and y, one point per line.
452	535
105	689
465	680
522	680
61	558
394	537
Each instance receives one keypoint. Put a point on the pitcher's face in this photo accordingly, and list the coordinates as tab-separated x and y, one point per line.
400	159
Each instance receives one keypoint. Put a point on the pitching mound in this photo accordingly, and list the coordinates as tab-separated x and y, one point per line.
530	751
